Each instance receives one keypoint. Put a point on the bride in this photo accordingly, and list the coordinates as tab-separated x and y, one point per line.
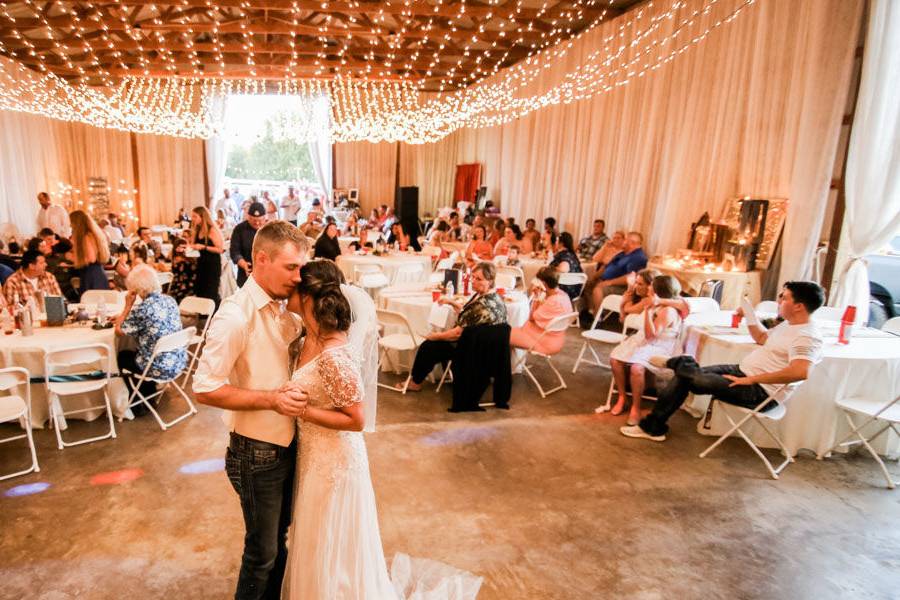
334	545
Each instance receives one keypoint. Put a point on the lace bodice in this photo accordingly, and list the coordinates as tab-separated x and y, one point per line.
332	379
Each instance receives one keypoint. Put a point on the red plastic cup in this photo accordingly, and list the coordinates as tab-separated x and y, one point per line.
435	295
501	292
735	320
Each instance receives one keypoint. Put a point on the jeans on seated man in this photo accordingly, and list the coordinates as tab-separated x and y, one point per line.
786	354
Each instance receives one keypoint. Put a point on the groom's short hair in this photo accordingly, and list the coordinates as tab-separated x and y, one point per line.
272	236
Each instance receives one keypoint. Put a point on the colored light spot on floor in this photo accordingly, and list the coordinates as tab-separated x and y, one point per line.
213	465
117	477
26	489
463	435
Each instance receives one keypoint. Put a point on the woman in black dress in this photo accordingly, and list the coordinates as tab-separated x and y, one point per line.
566	261
327	246
207	239
91	251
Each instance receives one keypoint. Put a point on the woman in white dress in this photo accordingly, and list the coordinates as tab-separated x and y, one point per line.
659	335
334	544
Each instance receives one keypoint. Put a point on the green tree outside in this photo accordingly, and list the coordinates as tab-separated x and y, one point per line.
271	159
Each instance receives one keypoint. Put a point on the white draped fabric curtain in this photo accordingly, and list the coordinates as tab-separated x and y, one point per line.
755	109
40	154
872	214
320	146
216	155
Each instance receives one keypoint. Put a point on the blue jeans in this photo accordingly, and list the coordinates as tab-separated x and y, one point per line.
262	474
692	378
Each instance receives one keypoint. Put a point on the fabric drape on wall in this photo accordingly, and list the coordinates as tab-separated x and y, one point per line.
369	167
754	109
468	178
320	147
216	158
171	176
872	215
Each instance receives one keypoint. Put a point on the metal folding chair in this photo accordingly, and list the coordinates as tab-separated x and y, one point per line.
167	343
14	408
560	323
202	307
405	341
611	305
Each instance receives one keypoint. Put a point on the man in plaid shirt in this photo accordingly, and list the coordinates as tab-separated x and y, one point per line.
32	277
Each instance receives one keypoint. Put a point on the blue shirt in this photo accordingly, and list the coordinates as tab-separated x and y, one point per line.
623	264
148	321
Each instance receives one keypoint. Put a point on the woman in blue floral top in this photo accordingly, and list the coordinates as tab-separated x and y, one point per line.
156	316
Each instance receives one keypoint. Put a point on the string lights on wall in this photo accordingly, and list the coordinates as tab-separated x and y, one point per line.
368	100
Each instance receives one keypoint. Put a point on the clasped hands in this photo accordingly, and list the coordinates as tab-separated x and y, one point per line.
290	399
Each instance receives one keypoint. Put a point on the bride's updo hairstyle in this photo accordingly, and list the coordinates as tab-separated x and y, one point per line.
321	280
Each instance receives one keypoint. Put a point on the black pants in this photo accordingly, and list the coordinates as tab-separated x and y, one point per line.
692	378
431	353
127	359
262	474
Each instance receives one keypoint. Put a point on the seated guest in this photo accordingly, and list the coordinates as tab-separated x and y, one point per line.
156	316
440	234
31	279
479	248
40	245
786	354
459	231
59	264
549	303
5	272
400	236
184	271
613	278
658	336
351	227
48	236
511	236
531	234
497	232
512	256
387	219
550	225
609	250
155	248
363	241
638	295
590	245
327	245
6	259
113	219
112	233
311	228
565	261
485	307
127	259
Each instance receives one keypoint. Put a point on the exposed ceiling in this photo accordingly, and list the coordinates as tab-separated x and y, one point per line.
435	44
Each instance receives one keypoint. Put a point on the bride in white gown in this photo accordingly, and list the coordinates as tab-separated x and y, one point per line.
334	544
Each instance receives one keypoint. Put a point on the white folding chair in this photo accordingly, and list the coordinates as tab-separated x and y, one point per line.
560	323
440	318
438	275
405	341
892	326
432	251
631	323
781	396
408	273
828	313
702	304
505	281
202	307
98	296
611	305
767	306
887	413
574	279
75	371
515	272
371	278
167	343
14	408
500	260
165	279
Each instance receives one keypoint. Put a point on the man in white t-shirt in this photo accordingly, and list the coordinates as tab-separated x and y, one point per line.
290	205
786	354
53	216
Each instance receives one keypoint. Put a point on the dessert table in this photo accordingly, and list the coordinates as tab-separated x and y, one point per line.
389	263
868	366
17	350
737	284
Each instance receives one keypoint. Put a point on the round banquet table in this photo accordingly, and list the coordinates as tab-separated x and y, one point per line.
737	284
28	352
530	266
868	366
416	307
389	263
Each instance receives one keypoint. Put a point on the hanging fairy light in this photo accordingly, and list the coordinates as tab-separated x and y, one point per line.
369	102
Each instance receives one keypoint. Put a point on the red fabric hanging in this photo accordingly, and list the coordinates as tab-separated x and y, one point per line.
468	178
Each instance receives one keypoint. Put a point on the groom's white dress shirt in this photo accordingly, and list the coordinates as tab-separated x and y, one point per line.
247	347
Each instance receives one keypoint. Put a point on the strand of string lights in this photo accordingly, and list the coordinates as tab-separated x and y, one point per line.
373	108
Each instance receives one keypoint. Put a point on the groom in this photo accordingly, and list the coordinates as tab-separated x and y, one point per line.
242	369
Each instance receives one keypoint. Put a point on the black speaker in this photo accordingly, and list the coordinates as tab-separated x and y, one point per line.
406	204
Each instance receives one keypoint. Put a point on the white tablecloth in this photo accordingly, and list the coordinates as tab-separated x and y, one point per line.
344	241
28	353
736	284
416	307
868	366
389	263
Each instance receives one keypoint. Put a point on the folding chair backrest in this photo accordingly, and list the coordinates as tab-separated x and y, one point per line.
439	316
702	304
174	341
431	250
197	305
712	288
516	272
892	326
767	306
396	319
506	281
444	264
501	260
96	296
12	377
612	303
164	277
360	270
561	323
572	279
78	359
633	322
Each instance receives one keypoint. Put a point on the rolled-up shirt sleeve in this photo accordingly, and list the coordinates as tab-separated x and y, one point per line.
225	342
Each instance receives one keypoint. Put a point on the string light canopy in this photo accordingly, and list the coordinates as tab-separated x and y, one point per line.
404	70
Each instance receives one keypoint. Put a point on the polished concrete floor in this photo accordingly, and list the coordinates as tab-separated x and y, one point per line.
546	500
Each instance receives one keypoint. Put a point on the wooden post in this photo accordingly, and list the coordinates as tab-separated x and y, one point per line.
136	175
207	202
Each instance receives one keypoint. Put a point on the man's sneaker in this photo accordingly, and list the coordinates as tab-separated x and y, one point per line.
635	431
661	362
